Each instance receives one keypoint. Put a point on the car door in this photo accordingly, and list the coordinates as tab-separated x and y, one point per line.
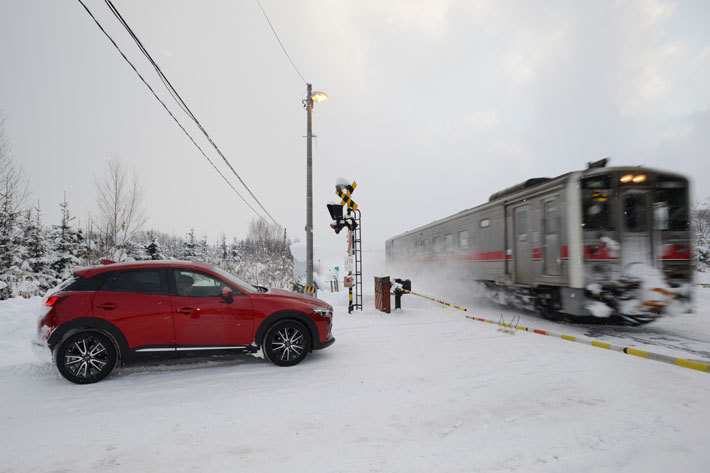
137	301
523	252
203	319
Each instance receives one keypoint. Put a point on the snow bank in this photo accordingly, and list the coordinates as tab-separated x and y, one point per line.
419	390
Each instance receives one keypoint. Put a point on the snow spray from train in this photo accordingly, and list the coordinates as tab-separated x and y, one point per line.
610	243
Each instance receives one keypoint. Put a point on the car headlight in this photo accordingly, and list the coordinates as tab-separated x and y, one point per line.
323	311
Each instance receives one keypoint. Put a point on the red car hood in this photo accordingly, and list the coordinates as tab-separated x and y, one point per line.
297	296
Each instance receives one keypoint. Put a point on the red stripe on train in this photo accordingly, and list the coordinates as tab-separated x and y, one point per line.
600	252
675	252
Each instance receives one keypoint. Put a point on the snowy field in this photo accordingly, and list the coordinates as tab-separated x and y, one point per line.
422	390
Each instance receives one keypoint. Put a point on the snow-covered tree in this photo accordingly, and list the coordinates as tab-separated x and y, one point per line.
701	226
40	277
191	250
67	247
153	249
13	193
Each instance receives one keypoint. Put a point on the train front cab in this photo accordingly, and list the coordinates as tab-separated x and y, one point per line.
636	240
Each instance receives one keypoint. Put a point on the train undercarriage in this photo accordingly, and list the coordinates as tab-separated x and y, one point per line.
629	301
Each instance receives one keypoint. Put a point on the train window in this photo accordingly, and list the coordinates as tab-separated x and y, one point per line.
485	223
596	214
551	265
551	219
437	244
670	208
521	227
597	182
635	213
463	239
448	242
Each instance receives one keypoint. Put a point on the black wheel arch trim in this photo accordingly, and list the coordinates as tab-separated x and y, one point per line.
91	324
288	315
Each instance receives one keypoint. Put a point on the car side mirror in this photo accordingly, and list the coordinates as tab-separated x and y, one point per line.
227	295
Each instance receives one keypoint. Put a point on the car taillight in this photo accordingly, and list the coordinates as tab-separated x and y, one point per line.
51	300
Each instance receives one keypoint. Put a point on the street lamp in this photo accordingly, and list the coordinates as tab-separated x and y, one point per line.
311	97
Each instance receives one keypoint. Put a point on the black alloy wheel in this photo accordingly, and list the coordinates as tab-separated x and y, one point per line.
86	357
286	343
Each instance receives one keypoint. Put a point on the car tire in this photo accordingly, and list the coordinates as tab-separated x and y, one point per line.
286	343
85	357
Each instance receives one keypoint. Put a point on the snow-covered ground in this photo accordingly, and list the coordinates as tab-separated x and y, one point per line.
422	390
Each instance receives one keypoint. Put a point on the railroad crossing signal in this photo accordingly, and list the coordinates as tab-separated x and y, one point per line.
345	192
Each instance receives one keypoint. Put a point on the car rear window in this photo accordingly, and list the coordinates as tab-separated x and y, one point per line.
80	283
145	281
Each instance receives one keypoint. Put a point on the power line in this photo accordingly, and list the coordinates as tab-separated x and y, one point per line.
176	96
280	43
168	110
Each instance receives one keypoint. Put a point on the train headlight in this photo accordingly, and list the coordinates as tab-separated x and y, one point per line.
637	179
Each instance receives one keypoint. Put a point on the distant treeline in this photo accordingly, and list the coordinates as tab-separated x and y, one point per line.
35	258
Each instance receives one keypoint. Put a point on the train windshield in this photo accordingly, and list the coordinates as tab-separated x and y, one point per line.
596	191
670	207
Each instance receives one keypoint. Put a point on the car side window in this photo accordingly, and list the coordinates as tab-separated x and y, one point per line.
143	281
196	284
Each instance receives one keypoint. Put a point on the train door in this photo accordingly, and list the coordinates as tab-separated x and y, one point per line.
522	256
551	238
636	237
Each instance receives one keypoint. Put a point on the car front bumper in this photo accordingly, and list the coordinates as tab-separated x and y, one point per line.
326	344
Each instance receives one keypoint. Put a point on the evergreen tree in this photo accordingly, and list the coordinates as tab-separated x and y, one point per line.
38	277
8	234
153	249
8	246
67	244
189	251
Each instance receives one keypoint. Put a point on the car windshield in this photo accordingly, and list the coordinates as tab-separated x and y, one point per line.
244	285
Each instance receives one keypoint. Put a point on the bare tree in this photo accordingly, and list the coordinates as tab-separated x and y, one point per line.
14	185
120	207
260	230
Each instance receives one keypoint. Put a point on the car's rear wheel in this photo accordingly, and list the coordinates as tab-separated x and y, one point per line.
286	343
85	357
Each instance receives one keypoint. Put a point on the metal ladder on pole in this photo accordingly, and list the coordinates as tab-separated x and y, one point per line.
357	250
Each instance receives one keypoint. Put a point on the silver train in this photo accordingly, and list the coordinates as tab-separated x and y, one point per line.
610	243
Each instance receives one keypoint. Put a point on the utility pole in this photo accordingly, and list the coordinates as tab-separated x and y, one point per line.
309	189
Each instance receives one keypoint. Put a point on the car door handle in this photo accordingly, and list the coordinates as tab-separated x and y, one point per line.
186	310
107	306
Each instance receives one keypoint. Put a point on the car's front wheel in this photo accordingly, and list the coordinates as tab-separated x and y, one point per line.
85	357
286	343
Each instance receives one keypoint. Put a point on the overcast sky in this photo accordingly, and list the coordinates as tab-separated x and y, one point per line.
434	105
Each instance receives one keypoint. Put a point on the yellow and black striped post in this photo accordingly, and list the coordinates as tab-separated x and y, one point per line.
310	290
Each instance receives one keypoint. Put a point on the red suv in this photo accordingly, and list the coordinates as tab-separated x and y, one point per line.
123	312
